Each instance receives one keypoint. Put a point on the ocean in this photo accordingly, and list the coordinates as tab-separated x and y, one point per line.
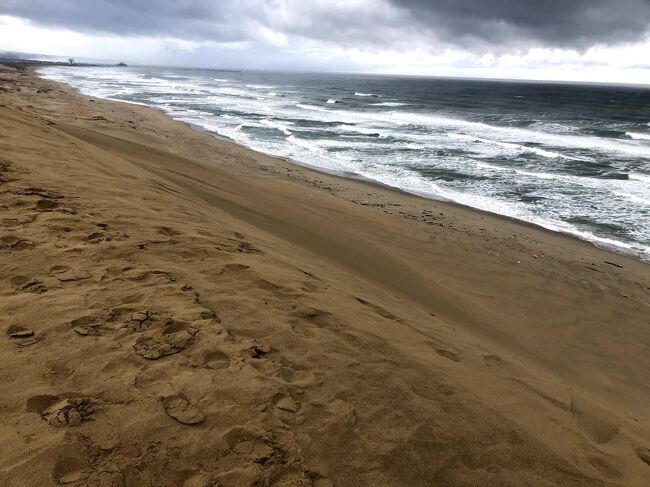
573	158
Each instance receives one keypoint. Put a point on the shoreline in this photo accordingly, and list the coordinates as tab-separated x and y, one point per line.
182	310
603	243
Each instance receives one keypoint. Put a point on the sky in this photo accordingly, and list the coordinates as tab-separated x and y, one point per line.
571	40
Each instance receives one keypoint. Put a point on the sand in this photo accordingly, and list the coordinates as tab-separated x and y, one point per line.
179	310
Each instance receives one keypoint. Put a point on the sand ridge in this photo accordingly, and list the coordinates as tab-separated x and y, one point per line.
181	311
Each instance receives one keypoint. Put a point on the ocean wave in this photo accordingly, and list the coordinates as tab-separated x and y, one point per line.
508	145
281	127
389	104
310	107
511	134
548	172
638	135
639	177
407	180
619	187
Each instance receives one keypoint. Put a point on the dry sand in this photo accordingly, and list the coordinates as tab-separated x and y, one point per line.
180	310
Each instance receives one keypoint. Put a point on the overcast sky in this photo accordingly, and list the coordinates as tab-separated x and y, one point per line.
588	40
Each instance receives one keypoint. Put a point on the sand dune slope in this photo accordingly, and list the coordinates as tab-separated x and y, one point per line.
168	322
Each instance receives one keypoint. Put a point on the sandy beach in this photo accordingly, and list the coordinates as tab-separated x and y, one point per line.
178	310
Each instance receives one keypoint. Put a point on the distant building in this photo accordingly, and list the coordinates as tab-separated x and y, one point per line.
71	60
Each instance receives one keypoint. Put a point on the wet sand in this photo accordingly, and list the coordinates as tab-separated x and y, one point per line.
180	310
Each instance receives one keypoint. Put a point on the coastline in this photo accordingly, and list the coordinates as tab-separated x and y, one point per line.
491	350
608	243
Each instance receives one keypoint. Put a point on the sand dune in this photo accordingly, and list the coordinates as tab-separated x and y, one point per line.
182	311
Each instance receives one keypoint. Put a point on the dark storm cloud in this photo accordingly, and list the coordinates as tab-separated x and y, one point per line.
563	23
475	24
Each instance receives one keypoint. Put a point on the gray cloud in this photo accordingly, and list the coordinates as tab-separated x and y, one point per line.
428	24
561	23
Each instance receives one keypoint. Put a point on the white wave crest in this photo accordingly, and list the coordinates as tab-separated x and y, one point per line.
281	127
639	177
310	107
389	104
638	135
512	146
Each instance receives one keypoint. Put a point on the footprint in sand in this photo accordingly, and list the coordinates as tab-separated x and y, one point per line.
300	378
179	407
86	326
43	193
446	389
72	275
253	445
16	222
141	320
12	243
256	451
320	318
448	354
288	405
46	205
69	470
215	360
175	337
452	355
23	336
233	268
248	248
378	309
209	314
57	269
18	331
168	232
27	284
96	237
492	360
62	411
644	454
258	351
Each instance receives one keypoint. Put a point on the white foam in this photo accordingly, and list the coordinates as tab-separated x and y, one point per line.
509	134
389	104
511	146
399	177
310	107
638	135
281	127
562	194
634	198
366	94
639	177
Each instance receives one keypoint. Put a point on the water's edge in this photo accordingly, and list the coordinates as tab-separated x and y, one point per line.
611	248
